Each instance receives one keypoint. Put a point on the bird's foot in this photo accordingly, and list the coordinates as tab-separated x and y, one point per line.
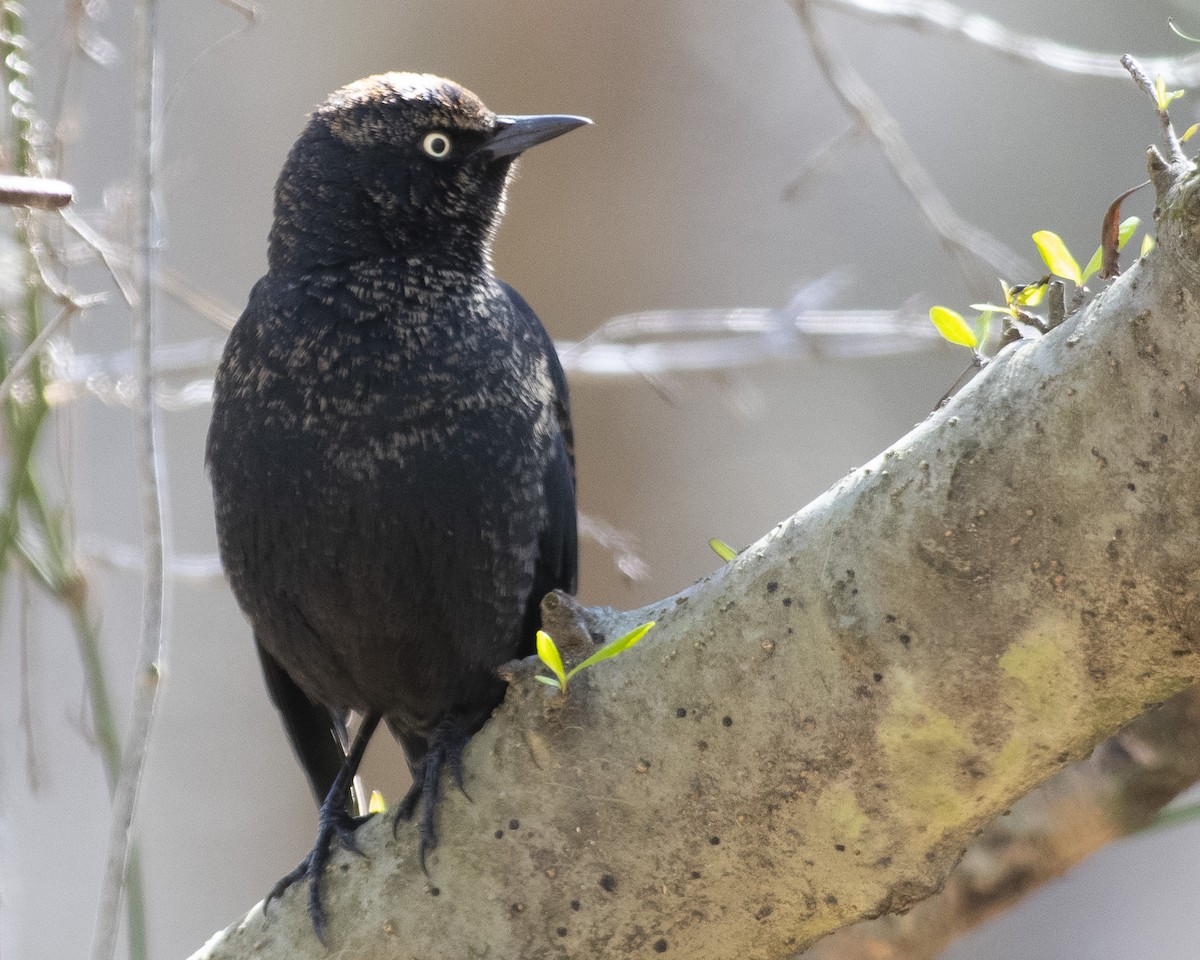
444	753
335	826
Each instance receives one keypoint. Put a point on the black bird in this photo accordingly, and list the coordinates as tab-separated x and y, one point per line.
390	448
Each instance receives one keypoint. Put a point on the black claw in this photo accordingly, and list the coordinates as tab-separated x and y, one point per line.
336	826
443	751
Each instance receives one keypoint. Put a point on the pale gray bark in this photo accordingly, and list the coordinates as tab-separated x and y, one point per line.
861	690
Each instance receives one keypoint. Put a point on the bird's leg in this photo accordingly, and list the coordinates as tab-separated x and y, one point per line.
334	823
444	751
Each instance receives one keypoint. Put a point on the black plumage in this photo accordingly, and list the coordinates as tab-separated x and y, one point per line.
390	448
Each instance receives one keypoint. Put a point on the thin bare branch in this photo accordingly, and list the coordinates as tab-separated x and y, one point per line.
41	193
1142	79
967	25
31	352
822	158
198	568
247	10
148	670
25	718
111	260
979	254
621	545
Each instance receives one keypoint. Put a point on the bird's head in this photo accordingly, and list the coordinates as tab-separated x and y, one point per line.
400	164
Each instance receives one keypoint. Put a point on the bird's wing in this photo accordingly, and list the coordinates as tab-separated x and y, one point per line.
558	556
562	400
318	735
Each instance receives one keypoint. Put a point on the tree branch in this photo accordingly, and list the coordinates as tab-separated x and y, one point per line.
944	17
1117	791
814	734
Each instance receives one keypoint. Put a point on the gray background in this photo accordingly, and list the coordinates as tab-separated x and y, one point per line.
703	113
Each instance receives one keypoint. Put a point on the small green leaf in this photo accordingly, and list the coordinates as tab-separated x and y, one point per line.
548	681
1162	96
609	650
953	327
1057	257
1189	133
1126	231
1148	243
722	549
376	804
1031	294
1094	264
548	653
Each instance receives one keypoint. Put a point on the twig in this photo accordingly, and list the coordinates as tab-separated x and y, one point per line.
31	352
1142	79
822	158
41	193
948	18
111	260
972	246
150	652
199	568
247	10
621	545
25	717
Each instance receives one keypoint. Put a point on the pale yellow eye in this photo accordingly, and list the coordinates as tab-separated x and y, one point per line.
437	145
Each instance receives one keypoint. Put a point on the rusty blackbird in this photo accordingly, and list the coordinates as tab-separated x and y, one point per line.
390	448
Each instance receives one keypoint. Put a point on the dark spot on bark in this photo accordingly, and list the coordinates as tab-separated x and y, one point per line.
499	834
772	587
608	882
435	892
839	847
883	862
714	840
660	946
877	677
727	721
863	692
517	908
764	911
514	824
831	900
561	931
1131	487
1163	438
889	618
681	712
787	601
905	639
703	744
574	904
695	874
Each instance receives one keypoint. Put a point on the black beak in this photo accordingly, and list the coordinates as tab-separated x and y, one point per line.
514	135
